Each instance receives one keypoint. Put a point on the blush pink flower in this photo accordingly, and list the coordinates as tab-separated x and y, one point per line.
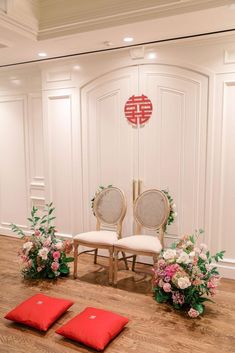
167	287
171	270
161	263
47	242
178	298
24	258
56	255
39	268
37	232
29	263
55	266
193	313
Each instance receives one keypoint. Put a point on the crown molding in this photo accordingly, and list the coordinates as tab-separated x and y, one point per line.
21	17
78	19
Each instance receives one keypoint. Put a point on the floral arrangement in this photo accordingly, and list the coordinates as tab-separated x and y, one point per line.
42	254
185	275
173	213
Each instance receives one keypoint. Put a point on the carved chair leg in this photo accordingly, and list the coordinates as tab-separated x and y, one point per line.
95	257
75	268
125	260
110	266
133	263
115	267
155	257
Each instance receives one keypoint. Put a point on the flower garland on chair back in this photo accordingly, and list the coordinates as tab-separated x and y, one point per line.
42	254
185	273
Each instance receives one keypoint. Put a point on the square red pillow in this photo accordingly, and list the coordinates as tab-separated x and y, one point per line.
39	311
93	327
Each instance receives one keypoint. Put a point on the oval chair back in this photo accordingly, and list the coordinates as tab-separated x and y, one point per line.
151	211
110	208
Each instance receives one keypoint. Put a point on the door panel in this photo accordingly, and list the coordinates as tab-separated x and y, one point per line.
172	145
109	142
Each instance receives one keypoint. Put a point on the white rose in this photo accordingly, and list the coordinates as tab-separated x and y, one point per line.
192	254
43	253
183	258
183	282
169	254
203	246
59	245
203	257
28	245
209	267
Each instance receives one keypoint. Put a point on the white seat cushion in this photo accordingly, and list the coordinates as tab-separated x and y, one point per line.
145	243
104	237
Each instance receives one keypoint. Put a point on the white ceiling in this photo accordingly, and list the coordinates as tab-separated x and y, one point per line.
62	27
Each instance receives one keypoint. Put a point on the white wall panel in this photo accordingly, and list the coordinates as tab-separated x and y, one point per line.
62	164
59	156
109	141
36	139
223	198
173	142
227	192
36	151
13	161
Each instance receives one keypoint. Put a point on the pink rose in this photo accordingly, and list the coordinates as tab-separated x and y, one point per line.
29	263
193	313
55	266
24	258
56	255
37	232
167	287
171	270
161	263
47	242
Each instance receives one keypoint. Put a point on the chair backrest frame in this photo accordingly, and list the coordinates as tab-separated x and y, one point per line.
160	227
118	222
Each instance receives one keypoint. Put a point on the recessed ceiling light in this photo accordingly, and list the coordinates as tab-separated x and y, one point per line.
151	55
128	39
16	82
42	54
77	67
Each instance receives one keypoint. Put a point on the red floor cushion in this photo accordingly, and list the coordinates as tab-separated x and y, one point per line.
39	311
93	327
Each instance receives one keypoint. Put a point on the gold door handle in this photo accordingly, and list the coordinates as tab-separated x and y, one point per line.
139	187
134	189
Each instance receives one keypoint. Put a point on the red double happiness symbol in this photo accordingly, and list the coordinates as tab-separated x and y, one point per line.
138	109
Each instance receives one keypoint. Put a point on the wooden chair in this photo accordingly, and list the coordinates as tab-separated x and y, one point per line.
109	210
151	211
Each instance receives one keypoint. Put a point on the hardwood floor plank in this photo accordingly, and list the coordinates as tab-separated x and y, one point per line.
153	327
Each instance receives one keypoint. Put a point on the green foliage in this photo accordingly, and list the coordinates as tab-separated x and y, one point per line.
172	214
185	275
161	296
43	255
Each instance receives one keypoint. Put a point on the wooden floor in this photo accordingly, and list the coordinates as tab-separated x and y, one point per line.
153	327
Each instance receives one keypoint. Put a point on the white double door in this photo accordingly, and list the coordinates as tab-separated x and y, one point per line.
167	152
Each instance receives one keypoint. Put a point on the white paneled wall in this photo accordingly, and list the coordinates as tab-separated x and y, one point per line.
36	150
61	140
223	198
14	178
